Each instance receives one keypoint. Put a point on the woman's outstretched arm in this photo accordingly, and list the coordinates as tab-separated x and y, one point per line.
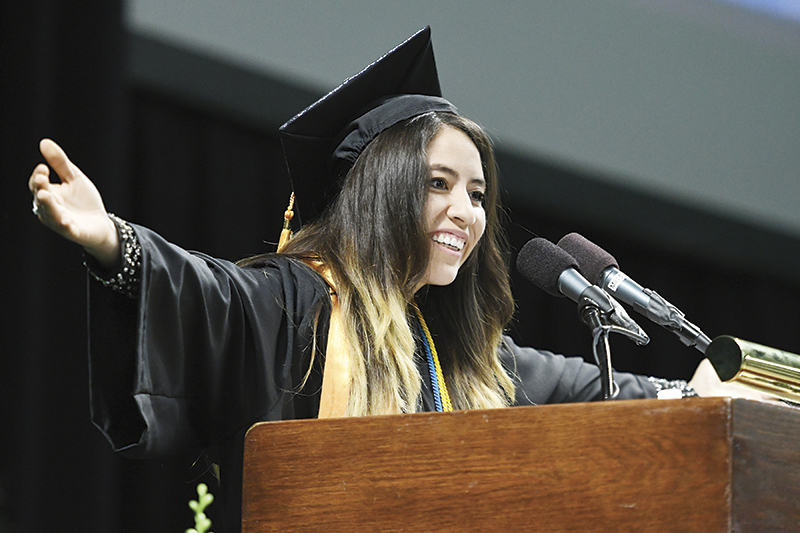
73	207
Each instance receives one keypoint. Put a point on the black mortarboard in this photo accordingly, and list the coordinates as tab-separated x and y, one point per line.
323	141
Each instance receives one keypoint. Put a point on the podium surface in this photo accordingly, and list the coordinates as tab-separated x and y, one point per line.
697	464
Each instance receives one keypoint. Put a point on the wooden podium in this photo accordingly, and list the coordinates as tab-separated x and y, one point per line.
699	464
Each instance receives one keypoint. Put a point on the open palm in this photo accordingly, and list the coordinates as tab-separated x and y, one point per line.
73	207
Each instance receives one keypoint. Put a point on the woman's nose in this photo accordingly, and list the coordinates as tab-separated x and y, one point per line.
461	207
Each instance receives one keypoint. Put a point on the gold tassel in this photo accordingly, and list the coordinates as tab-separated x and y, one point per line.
286	232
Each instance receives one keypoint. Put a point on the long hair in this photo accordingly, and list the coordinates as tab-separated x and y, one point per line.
374	241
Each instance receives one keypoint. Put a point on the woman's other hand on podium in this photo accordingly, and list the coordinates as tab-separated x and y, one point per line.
707	383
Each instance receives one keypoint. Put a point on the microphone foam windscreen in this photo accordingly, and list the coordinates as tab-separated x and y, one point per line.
592	259
542	262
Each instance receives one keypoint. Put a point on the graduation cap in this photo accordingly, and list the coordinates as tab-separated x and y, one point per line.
323	141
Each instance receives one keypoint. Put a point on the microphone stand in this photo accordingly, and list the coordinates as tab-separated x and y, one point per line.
593	314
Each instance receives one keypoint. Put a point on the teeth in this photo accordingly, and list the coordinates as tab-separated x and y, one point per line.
449	240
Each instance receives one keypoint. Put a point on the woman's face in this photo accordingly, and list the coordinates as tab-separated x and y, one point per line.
454	214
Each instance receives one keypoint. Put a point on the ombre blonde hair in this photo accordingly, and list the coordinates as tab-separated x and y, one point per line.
373	240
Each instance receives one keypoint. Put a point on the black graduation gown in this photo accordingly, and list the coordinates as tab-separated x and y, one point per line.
209	348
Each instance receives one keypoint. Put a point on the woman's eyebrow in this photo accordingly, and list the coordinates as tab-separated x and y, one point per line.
478	181
444	168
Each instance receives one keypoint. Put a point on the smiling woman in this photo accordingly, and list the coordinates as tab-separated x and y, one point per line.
430	177
391	298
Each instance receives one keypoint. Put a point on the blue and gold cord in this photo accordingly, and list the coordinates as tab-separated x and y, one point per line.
441	398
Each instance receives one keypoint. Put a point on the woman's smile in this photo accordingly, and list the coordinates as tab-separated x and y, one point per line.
450	241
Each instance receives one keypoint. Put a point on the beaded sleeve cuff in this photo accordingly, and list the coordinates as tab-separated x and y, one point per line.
667	389
125	278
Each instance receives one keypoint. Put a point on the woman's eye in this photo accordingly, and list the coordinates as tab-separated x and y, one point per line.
439	183
478	196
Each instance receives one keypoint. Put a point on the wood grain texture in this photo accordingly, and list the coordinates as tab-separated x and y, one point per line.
766	467
643	465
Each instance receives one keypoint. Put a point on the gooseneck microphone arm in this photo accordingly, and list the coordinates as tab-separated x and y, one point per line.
589	312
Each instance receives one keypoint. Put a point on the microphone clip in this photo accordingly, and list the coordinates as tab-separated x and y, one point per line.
597	310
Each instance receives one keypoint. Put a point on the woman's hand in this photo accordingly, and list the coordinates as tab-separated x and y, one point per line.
707	383
73	208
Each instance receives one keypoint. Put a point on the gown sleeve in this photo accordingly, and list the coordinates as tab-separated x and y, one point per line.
204	350
542	377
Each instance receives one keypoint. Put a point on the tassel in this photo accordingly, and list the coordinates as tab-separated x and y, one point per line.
286	232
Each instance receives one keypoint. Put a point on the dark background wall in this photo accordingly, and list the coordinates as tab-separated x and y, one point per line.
172	148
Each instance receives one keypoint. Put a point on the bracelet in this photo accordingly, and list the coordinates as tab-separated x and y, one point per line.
676	388
125	279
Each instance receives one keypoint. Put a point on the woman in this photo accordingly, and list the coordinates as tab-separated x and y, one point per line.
396	292
431	219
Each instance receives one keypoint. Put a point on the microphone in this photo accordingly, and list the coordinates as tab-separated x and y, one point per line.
601	266
555	271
